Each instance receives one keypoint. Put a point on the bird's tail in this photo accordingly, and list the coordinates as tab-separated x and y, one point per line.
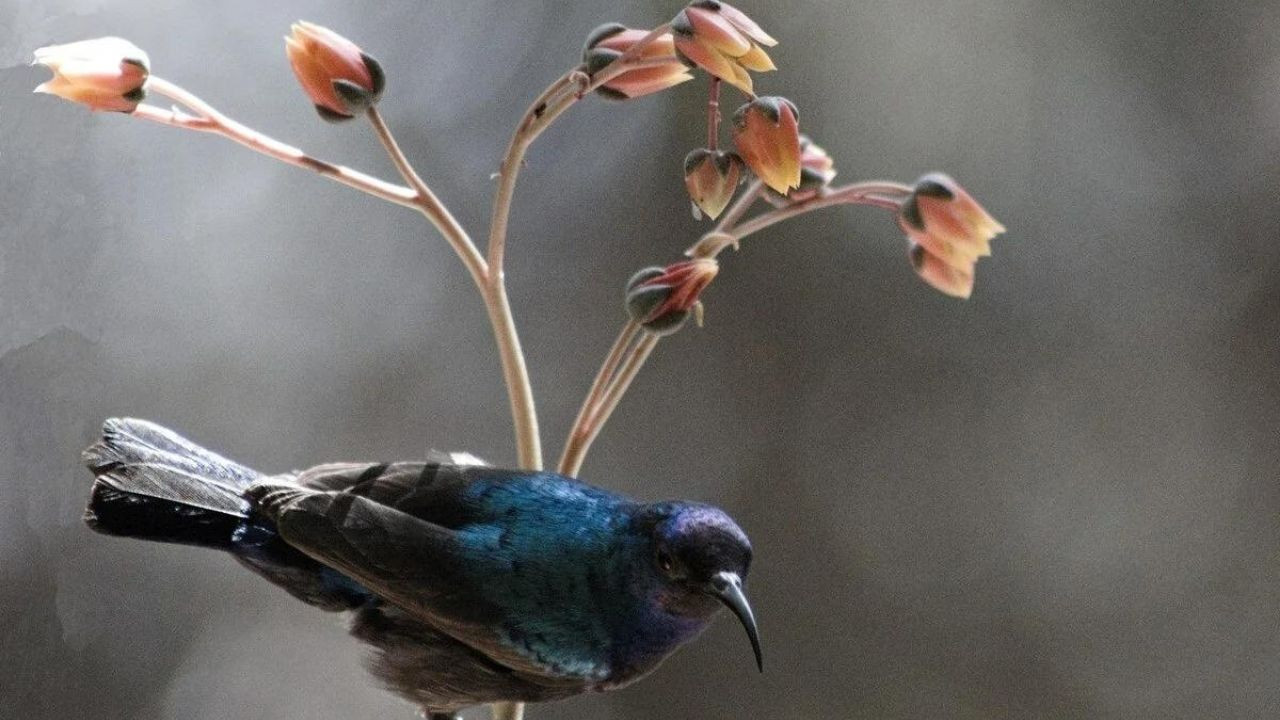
154	484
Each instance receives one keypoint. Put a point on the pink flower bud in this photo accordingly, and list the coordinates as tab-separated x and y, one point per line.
102	74
766	131
722	40
608	42
948	231
711	176
338	77
660	299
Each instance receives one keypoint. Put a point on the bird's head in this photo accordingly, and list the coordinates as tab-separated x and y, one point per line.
701	558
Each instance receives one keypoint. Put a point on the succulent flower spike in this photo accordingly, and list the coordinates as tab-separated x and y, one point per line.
102	74
339	78
948	231
608	42
817	170
711	176
766	131
722	40
660	299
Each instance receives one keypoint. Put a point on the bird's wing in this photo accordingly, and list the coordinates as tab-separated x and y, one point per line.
448	495
372	522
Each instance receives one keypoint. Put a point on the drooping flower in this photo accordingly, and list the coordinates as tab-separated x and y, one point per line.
661	299
722	40
339	78
942	277
102	74
711	177
817	170
608	42
767	134
947	231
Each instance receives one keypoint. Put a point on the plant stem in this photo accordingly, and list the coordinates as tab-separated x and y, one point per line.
544	111
607	399
887	195
429	205
516	372
612	383
489	281
211	121
713	114
575	448
417	196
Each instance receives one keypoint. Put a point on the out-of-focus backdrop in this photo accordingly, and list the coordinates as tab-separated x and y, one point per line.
1057	500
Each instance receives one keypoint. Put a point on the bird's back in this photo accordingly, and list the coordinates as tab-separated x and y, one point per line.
530	567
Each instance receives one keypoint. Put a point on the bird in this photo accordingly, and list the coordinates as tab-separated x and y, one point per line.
471	584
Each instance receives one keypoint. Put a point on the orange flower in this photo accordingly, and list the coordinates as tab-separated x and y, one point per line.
817	170
711	177
338	77
608	42
948	231
722	40
766	131
102	74
660	299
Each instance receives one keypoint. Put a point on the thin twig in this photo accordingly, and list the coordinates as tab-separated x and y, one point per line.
574	450
515	372
211	121
877	193
544	111
430	206
713	114
617	387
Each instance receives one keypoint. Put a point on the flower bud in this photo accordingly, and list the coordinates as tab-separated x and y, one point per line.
711	176
608	42
947	231
817	170
766	131
102	74
339	78
660	299
722	40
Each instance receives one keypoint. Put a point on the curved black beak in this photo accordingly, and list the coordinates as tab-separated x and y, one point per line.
727	587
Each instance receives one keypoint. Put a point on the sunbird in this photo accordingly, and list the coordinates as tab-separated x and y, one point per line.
473	584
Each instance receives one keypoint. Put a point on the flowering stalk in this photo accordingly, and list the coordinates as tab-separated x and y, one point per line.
554	101
888	195
627	357
559	97
207	119
417	196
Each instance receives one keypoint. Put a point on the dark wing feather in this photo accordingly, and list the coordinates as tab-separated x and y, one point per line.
441	494
410	561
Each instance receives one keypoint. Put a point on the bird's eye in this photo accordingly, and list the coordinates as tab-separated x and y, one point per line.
665	563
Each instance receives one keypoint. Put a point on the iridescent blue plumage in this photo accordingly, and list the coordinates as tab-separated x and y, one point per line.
474	584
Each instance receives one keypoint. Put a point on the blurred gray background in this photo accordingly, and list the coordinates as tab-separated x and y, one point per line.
1057	500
